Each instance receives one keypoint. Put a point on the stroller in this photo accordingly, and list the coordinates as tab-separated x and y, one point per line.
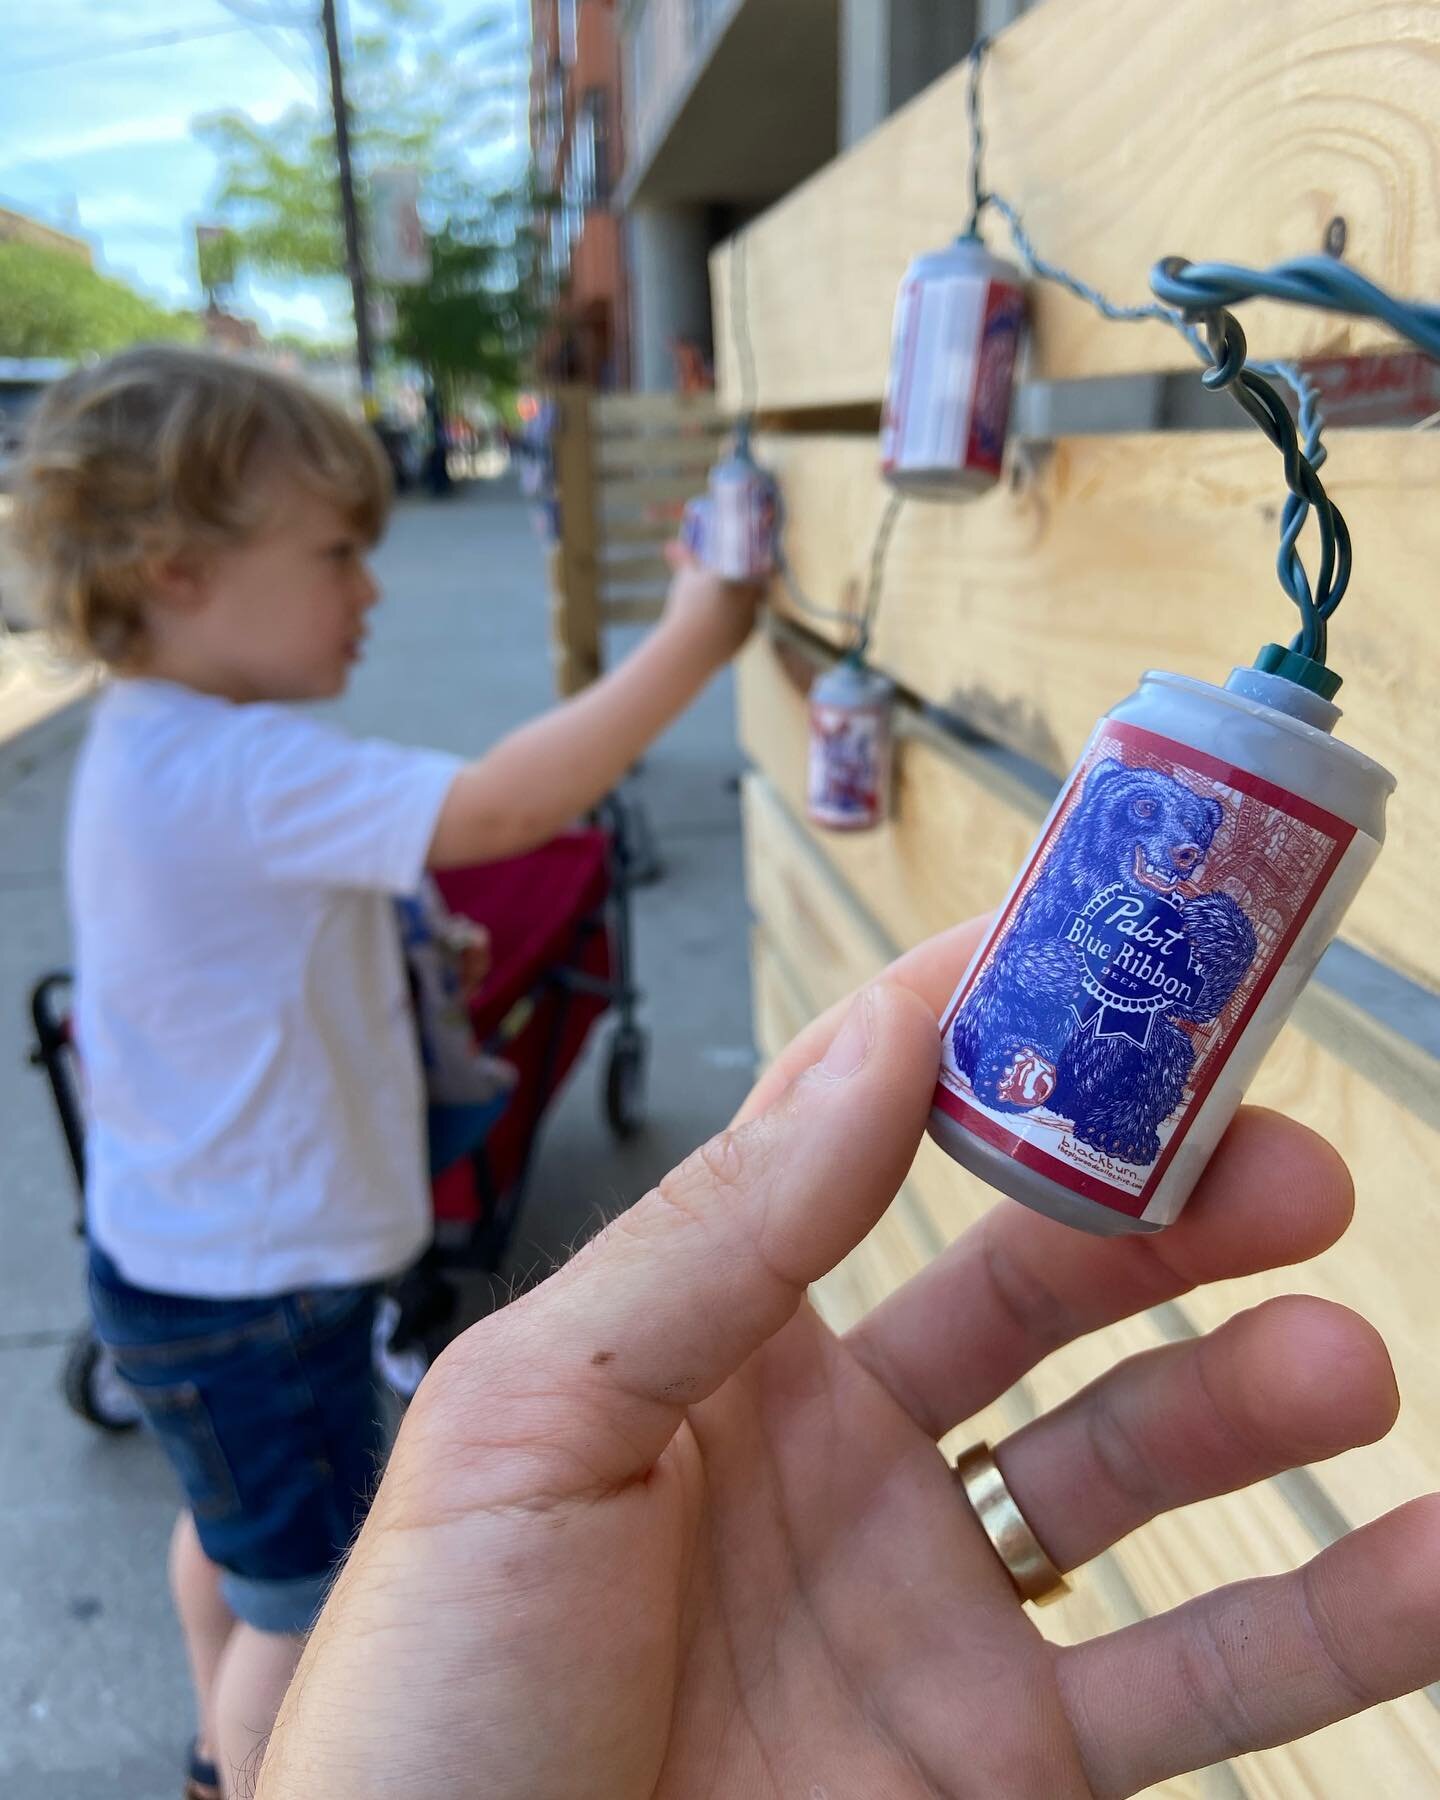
559	920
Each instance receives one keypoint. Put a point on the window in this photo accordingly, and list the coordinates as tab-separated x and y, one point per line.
597	125
569	32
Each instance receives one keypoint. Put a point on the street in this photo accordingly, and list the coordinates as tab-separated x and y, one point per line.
92	1675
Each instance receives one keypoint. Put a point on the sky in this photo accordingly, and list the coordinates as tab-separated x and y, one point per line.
96	137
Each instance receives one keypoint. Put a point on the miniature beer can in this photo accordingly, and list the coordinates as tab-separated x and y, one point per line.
741	521
958	322
848	784
1198	861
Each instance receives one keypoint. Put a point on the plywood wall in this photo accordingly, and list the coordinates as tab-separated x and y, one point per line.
1012	622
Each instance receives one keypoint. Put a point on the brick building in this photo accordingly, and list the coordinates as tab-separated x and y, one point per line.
575	135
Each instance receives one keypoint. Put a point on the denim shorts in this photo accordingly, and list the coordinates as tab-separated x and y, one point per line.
269	1415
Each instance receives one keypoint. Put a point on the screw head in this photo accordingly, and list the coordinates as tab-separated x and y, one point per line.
1336	233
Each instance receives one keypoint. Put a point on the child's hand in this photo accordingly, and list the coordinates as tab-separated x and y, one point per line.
475	960
723	611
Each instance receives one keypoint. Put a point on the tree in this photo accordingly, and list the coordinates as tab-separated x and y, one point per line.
52	304
423	94
471	325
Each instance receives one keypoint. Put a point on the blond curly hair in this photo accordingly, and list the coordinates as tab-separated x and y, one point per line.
160	451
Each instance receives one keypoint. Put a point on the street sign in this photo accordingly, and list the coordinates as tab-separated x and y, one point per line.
399	250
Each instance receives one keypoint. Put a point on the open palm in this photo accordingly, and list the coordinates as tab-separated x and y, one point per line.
654	1531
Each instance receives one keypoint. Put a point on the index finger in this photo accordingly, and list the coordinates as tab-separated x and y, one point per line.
932	970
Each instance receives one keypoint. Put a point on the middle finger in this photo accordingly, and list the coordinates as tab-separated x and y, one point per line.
1016	1285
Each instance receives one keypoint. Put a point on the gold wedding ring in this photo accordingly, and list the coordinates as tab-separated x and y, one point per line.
1035	1577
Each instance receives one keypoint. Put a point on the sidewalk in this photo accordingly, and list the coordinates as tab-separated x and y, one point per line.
92	1681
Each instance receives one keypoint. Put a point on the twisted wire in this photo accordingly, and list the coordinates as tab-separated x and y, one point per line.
1185	305
977	135
1321	282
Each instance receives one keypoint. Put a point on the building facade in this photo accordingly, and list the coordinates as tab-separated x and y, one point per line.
660	127
577	143
729	104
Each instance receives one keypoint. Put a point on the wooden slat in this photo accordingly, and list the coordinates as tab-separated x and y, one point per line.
629	533
949	852
1028	614
818	942
616	414
635	609
576	622
657	451
1123	135
618	495
632	571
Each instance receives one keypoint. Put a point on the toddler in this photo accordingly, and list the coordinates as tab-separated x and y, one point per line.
255	1155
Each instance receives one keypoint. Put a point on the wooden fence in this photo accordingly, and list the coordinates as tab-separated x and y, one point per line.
1124	132
625	464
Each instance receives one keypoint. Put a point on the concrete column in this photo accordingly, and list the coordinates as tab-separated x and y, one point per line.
669	289
890	50
995	15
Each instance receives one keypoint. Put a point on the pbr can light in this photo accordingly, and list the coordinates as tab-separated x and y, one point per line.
1197	863
848	780
734	529
958	322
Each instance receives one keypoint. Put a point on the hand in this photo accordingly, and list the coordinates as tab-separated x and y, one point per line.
654	1531
474	961
723	612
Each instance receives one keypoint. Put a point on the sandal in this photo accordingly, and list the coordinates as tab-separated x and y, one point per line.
202	1778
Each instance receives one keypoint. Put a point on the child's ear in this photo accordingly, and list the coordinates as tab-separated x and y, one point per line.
177	582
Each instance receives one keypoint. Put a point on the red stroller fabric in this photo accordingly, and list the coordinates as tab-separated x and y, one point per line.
546	915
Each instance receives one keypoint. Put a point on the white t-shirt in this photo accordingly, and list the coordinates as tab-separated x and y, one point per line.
256	1115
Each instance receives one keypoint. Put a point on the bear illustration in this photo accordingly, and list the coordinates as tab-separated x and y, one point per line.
1080	1009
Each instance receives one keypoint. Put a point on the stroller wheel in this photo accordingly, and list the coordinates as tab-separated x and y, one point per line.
93	1389
625	1081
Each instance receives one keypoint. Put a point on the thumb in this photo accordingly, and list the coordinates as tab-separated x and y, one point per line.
676	1293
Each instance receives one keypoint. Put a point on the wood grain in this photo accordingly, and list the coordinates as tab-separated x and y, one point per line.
575	636
1123	131
655	451
618	414
619	495
1028	614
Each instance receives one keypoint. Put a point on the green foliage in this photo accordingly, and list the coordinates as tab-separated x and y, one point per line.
51	304
418	93
218	257
471	325
278	192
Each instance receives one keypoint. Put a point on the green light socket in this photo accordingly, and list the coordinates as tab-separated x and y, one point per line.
1304	671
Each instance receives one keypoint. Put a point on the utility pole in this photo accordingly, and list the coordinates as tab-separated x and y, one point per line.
354	248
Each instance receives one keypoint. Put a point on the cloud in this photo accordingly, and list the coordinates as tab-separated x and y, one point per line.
101	212
127	134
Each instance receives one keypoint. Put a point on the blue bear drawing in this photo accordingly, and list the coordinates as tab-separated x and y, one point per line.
1031	1032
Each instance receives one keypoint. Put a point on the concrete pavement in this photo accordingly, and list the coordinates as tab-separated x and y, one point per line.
93	1697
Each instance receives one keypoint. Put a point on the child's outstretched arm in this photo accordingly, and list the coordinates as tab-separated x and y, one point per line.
537	780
